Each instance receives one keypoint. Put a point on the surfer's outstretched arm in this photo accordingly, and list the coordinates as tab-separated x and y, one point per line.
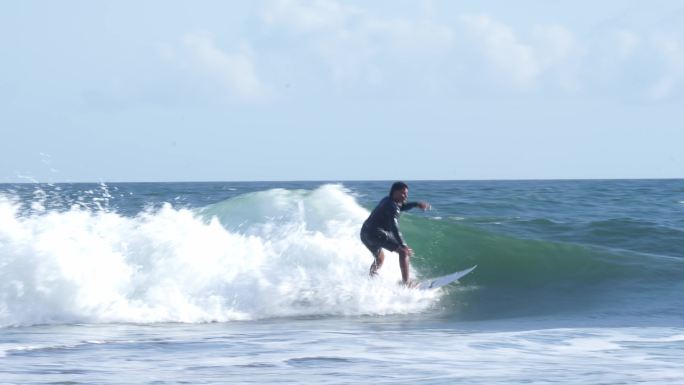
410	205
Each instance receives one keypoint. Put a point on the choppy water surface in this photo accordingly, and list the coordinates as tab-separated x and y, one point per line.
577	282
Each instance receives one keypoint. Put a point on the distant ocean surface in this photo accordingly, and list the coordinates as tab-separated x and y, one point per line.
578	282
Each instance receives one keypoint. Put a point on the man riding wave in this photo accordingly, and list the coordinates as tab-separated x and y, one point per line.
381	229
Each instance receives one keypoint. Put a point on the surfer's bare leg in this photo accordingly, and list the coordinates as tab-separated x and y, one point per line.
404	265
377	263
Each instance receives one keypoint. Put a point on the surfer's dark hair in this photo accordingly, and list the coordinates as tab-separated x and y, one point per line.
397	186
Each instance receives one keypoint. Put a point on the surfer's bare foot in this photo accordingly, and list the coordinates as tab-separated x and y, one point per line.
377	263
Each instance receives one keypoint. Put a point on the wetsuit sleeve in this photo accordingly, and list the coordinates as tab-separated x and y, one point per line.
409	206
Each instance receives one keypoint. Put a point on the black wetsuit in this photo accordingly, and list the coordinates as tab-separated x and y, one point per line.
381	229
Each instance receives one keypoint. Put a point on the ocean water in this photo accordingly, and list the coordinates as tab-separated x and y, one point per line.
578	282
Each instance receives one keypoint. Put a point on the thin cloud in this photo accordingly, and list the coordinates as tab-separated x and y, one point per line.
671	50
308	16
551	50
235	72
352	41
559	54
513	60
627	43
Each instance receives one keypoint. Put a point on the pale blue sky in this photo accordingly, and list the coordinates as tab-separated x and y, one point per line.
340	90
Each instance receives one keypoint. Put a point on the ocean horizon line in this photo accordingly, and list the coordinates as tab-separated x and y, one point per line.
346	180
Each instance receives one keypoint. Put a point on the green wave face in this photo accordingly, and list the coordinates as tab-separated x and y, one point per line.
521	277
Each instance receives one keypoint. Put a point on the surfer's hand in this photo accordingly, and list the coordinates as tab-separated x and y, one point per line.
424	205
406	250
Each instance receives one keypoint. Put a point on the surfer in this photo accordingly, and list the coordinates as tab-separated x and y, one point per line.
381	229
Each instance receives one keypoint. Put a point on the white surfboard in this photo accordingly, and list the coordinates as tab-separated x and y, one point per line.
438	282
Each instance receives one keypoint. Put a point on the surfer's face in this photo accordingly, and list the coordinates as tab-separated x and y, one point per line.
400	195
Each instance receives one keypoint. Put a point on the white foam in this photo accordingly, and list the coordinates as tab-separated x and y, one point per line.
269	254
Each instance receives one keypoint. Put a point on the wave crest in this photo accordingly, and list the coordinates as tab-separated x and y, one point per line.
274	253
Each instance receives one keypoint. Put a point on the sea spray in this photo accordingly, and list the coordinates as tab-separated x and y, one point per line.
276	253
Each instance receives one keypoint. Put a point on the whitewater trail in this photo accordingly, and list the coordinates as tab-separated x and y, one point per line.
275	253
